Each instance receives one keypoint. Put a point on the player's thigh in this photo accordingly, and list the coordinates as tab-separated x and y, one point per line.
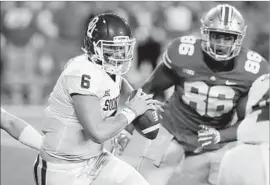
161	158
118	172
54	174
245	165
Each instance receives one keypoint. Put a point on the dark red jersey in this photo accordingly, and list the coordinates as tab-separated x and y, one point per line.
202	96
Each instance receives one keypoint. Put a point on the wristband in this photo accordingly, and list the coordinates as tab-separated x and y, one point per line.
129	114
31	137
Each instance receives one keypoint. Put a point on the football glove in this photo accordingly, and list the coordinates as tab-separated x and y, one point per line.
120	142
208	135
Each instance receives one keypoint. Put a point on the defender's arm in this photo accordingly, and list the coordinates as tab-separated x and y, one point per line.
230	133
159	80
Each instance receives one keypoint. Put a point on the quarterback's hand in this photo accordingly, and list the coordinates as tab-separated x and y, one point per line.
142	102
208	135
120	142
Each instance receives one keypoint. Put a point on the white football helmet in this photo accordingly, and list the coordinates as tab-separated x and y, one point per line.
223	19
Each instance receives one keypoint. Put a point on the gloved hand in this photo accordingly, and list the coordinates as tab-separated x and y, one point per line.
208	135
120	142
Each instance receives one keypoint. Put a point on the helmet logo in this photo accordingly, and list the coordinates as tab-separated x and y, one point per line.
91	27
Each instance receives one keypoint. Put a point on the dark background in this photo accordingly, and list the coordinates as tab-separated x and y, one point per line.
37	38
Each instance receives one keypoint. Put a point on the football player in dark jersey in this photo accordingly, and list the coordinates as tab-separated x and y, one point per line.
248	162
210	76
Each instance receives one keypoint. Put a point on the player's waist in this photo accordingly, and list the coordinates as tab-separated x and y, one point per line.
67	155
56	160
67	142
66	165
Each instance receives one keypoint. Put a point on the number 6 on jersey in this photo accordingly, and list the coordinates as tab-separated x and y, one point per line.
85	83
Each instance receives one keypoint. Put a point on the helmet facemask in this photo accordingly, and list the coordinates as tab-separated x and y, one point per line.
115	56
221	45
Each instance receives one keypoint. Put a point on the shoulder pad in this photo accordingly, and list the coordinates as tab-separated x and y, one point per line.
78	65
82	77
181	47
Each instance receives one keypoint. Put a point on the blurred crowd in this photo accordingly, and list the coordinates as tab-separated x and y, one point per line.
37	38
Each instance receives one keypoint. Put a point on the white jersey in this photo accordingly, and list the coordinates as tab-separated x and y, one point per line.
64	137
255	127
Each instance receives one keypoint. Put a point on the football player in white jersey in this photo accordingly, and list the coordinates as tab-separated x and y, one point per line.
248	162
20	130
83	111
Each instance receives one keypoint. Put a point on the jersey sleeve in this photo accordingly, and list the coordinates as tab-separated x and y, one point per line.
180	51
265	68
82	80
171	54
255	64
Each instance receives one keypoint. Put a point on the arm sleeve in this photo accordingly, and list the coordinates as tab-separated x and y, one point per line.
161	79
166	60
265	68
164	75
171	54
31	138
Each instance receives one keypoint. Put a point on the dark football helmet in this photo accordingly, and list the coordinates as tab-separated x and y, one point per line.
109	42
223	21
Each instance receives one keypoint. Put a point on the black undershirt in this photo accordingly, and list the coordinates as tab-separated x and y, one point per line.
218	66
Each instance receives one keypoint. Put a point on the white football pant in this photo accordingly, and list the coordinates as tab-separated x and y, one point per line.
103	170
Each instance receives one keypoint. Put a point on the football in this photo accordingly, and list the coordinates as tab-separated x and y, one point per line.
148	123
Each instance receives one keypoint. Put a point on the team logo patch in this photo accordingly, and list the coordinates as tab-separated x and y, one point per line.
188	71
213	78
92	26
107	93
230	82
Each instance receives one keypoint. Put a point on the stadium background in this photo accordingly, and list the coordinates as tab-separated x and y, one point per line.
37	39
